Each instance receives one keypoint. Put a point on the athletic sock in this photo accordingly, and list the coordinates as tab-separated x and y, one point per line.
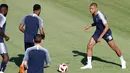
3	66
89	60
121	58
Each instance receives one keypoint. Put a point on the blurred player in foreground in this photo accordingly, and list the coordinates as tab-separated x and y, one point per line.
35	56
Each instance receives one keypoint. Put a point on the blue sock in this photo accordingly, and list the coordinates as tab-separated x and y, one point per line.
3	66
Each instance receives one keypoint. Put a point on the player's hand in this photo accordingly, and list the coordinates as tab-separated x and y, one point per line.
86	28
99	39
43	36
46	66
7	38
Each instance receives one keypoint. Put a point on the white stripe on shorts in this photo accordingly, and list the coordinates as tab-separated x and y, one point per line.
3	48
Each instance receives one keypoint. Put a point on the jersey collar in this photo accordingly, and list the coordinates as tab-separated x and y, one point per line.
97	12
38	46
34	14
2	15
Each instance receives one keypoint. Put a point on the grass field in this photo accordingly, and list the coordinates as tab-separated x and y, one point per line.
64	21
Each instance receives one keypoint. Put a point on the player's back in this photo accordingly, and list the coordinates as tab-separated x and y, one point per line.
36	60
31	24
31	27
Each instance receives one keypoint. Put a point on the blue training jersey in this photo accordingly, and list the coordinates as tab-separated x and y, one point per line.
35	56
2	25
32	23
99	21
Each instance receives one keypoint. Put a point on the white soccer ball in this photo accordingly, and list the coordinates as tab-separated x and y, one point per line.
63	68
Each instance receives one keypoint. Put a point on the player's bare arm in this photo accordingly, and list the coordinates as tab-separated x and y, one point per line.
46	66
87	27
42	32
3	34
25	63
21	28
104	32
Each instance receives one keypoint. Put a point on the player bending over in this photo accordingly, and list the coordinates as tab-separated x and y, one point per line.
102	31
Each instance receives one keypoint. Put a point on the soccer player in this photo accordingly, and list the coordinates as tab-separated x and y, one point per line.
32	23
102	31
3	49
35	56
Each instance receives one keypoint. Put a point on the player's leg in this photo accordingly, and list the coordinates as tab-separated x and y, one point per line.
115	48
5	57
118	52
89	53
90	47
4	62
28	44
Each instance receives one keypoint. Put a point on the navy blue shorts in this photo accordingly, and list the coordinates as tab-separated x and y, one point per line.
107	37
27	45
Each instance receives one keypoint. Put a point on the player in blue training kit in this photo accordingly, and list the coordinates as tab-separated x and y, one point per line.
102	31
32	23
3	49
35	56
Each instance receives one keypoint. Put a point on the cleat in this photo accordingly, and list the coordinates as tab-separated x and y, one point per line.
87	67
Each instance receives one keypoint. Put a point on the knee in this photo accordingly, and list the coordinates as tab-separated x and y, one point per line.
6	58
89	46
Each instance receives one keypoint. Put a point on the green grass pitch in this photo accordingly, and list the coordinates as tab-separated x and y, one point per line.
64	21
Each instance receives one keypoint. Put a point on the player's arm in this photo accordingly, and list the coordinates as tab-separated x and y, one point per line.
104	21
47	59
2	21
25	59
3	35
25	63
104	31
21	28
87	27
41	29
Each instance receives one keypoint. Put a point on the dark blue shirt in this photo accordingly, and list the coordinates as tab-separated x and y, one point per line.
32	23
35	56
99	21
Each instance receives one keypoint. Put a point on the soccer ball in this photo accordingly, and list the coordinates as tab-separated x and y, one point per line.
63	68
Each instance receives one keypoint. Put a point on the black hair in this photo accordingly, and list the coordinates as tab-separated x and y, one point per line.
94	4
36	7
37	38
3	6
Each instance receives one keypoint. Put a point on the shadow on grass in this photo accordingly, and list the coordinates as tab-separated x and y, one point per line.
84	60
17	60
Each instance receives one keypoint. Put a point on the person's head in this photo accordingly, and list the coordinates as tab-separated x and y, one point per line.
37	9
38	38
4	9
93	8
